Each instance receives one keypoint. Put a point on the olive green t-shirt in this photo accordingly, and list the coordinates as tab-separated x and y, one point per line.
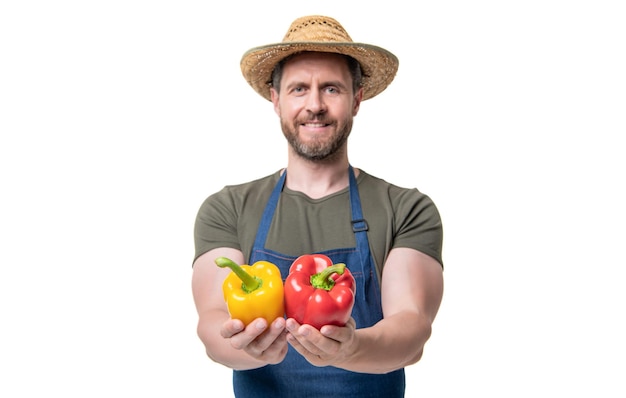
397	217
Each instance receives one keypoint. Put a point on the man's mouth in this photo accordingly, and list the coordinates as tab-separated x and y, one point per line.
315	124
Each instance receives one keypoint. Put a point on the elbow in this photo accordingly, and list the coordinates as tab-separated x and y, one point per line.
417	352
203	334
415	358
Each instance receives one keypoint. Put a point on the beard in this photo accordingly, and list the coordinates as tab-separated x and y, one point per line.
319	148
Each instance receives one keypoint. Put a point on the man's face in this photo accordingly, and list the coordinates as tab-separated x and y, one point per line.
316	104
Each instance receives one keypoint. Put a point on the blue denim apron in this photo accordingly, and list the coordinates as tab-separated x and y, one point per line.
294	376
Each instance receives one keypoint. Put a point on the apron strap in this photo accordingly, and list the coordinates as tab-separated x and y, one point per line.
360	228
268	214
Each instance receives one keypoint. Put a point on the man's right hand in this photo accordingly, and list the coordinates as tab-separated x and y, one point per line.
257	340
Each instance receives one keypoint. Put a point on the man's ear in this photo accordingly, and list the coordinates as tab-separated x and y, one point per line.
274	97
358	97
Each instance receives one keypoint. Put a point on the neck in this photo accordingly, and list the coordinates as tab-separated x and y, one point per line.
317	179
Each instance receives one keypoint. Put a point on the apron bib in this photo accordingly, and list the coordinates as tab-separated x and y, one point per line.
294	376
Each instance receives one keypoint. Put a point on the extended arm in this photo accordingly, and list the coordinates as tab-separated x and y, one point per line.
412	290
225	339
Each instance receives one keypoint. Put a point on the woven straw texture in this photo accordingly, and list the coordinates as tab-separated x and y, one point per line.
322	34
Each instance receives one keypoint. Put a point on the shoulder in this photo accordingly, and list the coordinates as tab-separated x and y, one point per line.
408	208
259	185
375	187
237	195
411	216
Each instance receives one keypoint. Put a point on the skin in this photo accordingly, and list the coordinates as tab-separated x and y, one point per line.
316	106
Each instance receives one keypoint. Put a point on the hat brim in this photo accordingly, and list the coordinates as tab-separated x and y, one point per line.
379	66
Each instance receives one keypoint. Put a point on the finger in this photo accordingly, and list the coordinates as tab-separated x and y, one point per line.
311	340
269	337
312	354
231	327
339	333
242	339
305	339
274	353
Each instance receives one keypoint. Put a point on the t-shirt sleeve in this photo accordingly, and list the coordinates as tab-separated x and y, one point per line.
216	224
419	225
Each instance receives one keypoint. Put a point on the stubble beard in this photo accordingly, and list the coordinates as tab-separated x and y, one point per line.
319	149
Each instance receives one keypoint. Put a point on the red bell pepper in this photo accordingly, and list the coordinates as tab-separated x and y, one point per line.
318	292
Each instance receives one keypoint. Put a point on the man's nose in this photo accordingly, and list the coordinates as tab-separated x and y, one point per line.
315	102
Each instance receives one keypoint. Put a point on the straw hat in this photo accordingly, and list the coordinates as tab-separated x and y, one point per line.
322	34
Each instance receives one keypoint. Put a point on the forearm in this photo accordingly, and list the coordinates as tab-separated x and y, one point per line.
393	343
213	313
412	289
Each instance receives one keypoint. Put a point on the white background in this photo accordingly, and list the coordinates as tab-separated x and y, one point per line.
118	118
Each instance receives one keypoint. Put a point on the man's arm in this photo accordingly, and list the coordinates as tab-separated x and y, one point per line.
412	290
225	339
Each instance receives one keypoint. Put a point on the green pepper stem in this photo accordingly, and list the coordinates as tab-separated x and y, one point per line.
323	280
250	283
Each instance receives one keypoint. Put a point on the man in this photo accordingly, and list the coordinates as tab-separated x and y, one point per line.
389	237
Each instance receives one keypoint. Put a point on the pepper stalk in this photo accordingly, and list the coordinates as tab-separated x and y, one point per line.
249	283
324	280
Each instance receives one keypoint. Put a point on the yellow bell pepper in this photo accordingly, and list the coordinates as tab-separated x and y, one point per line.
253	291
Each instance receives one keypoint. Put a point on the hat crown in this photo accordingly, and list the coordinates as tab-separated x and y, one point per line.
316	29
323	34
